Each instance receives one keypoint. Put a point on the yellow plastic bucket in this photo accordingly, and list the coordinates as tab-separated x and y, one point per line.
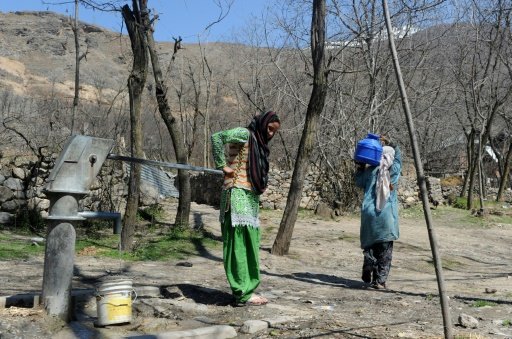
114	302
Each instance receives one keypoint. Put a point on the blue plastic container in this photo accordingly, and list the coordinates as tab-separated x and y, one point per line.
369	150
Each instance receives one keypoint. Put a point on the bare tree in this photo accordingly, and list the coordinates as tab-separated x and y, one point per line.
134	20
505	161
183	212
483	74
78	58
316	103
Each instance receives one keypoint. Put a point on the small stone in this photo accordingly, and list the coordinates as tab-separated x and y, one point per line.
185	264
468	321
253	326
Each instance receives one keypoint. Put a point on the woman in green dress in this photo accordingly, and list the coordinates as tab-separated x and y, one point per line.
245	168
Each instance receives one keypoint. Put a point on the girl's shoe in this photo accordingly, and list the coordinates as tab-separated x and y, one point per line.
378	286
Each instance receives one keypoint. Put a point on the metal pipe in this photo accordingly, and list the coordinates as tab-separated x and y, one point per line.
116	216
163	164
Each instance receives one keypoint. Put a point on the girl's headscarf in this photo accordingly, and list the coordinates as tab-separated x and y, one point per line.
382	189
259	151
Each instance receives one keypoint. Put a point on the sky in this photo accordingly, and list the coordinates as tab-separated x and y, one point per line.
185	18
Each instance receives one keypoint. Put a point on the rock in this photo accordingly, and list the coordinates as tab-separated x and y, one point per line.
38	204
218	332
323	210
147	291
14	184
253	326
410	200
18	173
13	205
5	194
273	322
172	292
467	321
6	218
267	205
37	240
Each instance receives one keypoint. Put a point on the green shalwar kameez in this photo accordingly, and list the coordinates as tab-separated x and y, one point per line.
239	212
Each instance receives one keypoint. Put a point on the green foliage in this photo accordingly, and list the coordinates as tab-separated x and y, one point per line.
95	228
16	248
507	322
482	303
460	202
30	220
151	213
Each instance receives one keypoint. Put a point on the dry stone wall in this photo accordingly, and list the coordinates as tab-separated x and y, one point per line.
22	180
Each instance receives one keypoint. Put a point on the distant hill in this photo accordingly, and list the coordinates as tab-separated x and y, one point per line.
37	56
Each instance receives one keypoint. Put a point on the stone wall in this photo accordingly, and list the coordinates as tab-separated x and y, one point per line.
206	189
22	179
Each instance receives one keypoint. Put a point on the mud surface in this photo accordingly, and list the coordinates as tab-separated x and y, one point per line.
315	291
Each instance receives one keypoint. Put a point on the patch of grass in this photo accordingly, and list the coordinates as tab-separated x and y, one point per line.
469	336
178	243
500	219
429	297
305	214
152	213
11	248
482	303
413	212
507	323
462	202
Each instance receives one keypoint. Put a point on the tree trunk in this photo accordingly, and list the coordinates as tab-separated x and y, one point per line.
472	168
77	70
469	155
136	82
421	179
480	180
178	140
506	172
316	104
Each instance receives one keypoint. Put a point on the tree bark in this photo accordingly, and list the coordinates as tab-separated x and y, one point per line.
178	140
316	104
420	177
136	82
77	70
506	172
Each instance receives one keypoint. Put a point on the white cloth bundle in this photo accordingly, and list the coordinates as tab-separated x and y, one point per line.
382	188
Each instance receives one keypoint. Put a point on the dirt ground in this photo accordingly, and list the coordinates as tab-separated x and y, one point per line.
315	291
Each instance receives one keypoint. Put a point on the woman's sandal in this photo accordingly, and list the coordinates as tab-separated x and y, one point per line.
254	300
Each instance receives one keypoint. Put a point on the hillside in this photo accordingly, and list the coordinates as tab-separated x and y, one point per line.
37	56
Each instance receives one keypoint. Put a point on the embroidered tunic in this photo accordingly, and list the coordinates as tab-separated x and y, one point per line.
243	202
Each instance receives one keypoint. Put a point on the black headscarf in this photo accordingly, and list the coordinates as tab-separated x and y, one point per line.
259	151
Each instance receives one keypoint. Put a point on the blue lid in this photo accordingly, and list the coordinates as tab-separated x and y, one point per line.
373	136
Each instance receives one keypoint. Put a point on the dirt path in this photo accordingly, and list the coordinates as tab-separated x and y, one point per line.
316	290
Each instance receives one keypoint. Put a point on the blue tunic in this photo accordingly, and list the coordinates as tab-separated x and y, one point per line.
380	226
